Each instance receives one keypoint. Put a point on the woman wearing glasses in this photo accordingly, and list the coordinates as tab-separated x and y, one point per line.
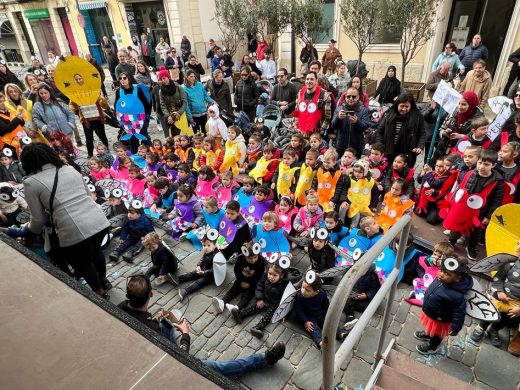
246	93
450	55
128	87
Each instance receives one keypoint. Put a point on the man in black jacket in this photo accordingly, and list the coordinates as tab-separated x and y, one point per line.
139	292
514	74
284	93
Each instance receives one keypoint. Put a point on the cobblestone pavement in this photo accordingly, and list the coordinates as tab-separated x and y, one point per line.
218	337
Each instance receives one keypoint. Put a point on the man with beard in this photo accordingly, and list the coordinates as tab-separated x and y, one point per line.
172	100
314	107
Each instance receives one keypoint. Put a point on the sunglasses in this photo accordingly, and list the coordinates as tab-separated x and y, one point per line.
351	96
517	95
244	74
123	78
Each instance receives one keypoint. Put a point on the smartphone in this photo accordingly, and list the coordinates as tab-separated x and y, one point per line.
351	113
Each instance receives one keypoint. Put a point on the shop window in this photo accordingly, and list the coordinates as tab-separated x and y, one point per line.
385	35
329	17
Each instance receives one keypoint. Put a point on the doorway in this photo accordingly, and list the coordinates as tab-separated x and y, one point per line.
489	18
45	38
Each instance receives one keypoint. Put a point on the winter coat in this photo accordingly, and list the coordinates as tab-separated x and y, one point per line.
348	134
55	116
136	229
446	303
198	99
198	69
368	284
124	68
311	309
246	97
206	263
270	293
322	259
178	101
434	79
507	280
221	94
141	316
285	93
14	172
480	85
249	273
470	54
165	260
453	59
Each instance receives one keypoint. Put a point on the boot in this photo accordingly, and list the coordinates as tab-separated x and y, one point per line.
514	344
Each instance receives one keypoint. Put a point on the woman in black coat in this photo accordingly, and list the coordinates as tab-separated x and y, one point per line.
389	88
8	77
246	93
402	129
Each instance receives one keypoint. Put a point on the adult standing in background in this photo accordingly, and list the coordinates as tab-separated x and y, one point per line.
219	91
8	77
389	88
173	61
307	55
262	46
123	66
514	74
330	57
147	50
226	66
101	71
136	45
215	61
479	81
50	114
473	52
162	48
211	50
443	73
185	49
252	43
268	67
110	52
449	54
172	101
198	100
284	93
194	64
246	93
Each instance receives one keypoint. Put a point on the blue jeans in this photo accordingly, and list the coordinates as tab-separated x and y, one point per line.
237	366
168	333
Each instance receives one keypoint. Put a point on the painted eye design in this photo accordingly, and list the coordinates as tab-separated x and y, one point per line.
212	234
256	248
16	194
272	258
284	262
302	106
451	264
381	256
352	242
245	251
322	234
458	195
392	213
356	255
222	224
312	107
262	243
475	202
8	152
123	104
4	197
310	277
86	179
117	192
137	204
91	188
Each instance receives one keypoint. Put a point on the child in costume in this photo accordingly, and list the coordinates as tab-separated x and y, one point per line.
226	189
286	212
377	163
298	143
268	295
186	214
271	236
309	216
321	254
326	180
245	193
260	203
211	155
266	166
285	179
150	194
216	126
236	150
185	150
169	168
444	307
164	204
121	151
212	216
136	182
254	153
310	305
334	226
153	162
249	269
157	148
164	262
401	170
197	151
11	204
140	157
117	208
234	229
206	183
411	268
185	177
396	203
308	172
477	136
120	172
97	171
103	154
347	161
359	192
430	264
318	144
508	165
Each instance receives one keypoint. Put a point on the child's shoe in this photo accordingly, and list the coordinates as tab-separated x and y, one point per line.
471	252
182	294
447	232
128	257
426	349
174	279
349	324
114	256
160	280
218	304
494	337
478	334
258	333
275	353
236	315
421	335
230	307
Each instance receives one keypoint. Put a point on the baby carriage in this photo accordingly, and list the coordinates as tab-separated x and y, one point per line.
272	116
281	136
265	88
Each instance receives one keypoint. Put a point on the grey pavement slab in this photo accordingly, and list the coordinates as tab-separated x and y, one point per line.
497	368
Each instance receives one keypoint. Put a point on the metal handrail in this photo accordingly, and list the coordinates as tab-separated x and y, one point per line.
332	362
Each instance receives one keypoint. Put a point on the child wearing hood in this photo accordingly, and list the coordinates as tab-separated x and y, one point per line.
235	151
216	126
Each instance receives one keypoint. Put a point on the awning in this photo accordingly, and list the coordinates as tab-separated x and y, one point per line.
92	5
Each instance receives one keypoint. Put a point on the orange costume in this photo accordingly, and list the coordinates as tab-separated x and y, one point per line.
393	210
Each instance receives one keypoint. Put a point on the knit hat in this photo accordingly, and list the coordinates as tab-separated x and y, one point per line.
362	164
163	72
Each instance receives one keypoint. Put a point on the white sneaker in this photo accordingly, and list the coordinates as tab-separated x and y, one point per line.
218	304
447	232
350	324
229	306
460	240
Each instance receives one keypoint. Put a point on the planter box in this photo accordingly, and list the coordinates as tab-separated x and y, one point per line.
370	86
416	90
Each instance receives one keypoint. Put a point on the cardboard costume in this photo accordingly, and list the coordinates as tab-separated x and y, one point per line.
131	114
394	209
304	183
326	187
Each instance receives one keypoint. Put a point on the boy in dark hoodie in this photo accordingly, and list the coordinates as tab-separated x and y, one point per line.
321	254
248	269
11	170
136	226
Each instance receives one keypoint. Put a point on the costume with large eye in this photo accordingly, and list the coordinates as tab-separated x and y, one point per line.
439	194
304	184
252	250
207	233
254	212
451	264
184	216
204	189
225	194
260	169
359	196
243	198
308	112
8	193
503	230
11	140
231	158
393	211
286	178
228	229
351	248
319	234
421	284
131	114
274	241
326	187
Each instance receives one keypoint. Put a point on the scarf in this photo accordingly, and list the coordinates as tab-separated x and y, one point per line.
169	89
473	102
352	107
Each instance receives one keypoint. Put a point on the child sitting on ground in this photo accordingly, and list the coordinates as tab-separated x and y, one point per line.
285	179
310	305
164	204
268	295
508	165
235	152
97	171
260	203
299	145
317	144
334	227
359	193
185	177
11	204
308	172
136	226
476	137
212	216
186	214
117	209
245	193
153	162
226	189
286	212
169	168
248	270
326	180
401	170
271	236
11	170
266	166
103	154
347	161
234	229
254	153
206	183
212	154
157	148
140	157
396	203
136	182
185	150
322	256
164	262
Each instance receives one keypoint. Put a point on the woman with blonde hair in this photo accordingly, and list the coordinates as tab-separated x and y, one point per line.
14	99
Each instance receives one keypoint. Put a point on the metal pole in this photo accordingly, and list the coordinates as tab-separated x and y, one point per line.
437	124
386	317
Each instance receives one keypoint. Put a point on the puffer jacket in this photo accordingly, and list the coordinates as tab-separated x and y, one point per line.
270	293
53	116
507	280
246	96
470	54
446	303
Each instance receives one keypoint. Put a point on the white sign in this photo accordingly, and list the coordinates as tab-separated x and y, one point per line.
447	97
496	125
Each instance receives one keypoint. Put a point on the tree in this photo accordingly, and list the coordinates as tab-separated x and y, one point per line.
272	18
416	20
307	18
233	20
358	19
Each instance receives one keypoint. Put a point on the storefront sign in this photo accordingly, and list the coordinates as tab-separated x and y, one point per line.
41	13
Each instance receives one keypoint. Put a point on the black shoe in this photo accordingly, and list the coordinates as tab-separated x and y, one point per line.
421	335
258	333
471	252
106	285
236	315
342	336
114	256
275	353
128	258
426	349
79	144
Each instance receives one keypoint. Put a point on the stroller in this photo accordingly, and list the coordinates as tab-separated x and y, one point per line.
265	88
281	136
272	116
241	120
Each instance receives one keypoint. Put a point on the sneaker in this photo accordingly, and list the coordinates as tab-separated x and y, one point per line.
342	336
79	144
114	256
351	321
460	240
128	258
230	307
471	252
421	335
182	294
494	337
218	304
160	280
258	333
478	334
447	232
426	349
411	295
236	315
174	279
275	353
183	236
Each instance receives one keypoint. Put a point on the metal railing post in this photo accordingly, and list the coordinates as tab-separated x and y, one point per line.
388	307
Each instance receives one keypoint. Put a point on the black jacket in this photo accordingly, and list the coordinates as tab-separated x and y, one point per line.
348	134
249	273
242	236
141	316
246	96
206	263
311	309
368	284
165	260
412	134
322	259
270	293
446	303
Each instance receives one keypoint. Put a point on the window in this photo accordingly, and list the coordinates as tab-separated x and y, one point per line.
385	35
329	8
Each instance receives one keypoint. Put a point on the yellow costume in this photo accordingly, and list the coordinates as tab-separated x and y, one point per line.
231	157
196	162
394	209
304	183
260	169
327	187
27	117
359	196
11	138
503	230
211	157
285	179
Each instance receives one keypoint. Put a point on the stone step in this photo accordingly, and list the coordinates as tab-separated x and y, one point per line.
390	379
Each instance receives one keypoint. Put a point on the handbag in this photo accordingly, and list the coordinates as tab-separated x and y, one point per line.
54	240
